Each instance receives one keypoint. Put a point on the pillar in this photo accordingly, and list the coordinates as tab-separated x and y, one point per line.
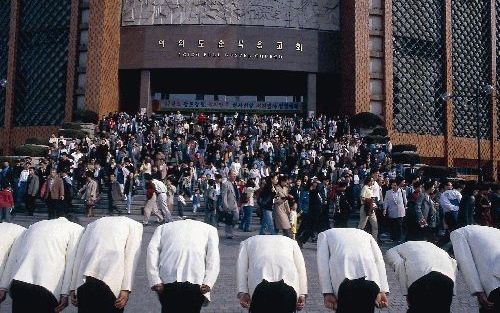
11	75
145	93
311	93
448	86
355	52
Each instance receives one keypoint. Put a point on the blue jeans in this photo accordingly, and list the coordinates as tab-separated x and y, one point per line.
5	215
246	221
267	222
129	201
21	190
211	213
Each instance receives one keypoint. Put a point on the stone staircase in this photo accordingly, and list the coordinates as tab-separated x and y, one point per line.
138	202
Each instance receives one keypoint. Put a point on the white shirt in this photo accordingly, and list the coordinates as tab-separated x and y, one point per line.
447	198
159	186
23	177
415	259
272	258
44	256
477	250
109	251
377	191
235	167
181	251
355	179
9	233
349	253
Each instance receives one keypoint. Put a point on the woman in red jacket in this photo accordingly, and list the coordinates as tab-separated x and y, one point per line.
6	204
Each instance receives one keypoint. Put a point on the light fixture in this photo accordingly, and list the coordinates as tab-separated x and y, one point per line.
445	96
487	90
3	83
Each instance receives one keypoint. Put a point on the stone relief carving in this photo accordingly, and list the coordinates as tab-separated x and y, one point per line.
312	14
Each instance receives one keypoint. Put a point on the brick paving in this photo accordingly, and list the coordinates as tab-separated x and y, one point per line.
224	293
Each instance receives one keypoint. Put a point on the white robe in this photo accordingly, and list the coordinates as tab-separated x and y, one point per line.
272	258
184	251
109	251
44	256
8	234
349	253
477	250
414	259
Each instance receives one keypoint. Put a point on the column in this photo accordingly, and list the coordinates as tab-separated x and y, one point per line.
448	87
311	93
145	94
10	100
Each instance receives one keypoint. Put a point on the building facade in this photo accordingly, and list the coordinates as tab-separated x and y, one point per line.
395	58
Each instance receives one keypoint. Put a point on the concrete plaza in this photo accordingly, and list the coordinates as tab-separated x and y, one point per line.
224	293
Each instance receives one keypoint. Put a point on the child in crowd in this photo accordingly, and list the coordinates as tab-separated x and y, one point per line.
196	200
6	203
211	200
181	203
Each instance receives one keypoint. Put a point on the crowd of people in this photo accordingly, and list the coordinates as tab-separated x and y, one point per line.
300	175
305	178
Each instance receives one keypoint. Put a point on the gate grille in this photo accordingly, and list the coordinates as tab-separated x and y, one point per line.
42	62
498	68
4	50
418	39
471	65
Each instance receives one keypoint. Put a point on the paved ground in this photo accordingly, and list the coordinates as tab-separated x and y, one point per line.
224	293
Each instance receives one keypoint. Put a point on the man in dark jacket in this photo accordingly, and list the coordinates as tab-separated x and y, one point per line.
68	191
32	191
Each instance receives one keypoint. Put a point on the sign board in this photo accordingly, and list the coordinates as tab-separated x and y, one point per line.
258	106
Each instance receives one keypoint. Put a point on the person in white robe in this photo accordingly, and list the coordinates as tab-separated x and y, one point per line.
161	197
427	275
105	264
351	271
38	271
183	264
271	275
9	233
477	250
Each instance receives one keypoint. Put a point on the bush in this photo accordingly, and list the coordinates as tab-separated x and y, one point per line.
406	157
404	148
36	141
72	126
380	131
72	133
374	139
86	116
31	150
438	172
366	120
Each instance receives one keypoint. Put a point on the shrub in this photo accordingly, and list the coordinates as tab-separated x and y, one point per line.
403	148
72	133
406	157
32	150
438	172
36	141
366	120
374	139
380	131
71	126
86	116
